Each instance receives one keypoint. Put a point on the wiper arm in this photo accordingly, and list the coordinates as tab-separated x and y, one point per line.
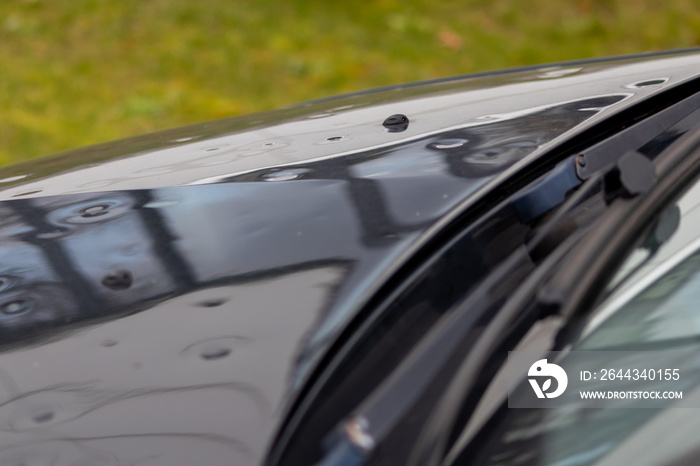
605	154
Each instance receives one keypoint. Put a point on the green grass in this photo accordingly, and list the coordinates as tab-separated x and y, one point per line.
75	72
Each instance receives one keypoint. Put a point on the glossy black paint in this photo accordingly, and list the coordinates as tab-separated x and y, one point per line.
173	319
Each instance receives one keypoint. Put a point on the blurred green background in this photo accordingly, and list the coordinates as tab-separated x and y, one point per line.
75	72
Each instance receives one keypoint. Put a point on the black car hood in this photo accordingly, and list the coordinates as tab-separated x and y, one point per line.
169	320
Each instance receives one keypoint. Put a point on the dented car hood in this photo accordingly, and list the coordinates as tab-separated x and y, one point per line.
163	298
